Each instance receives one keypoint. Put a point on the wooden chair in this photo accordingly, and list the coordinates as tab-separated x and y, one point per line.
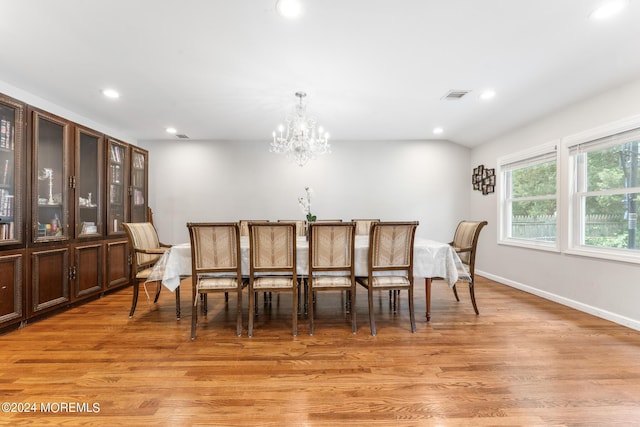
147	250
216	266
149	215
272	264
301	226
465	242
331	263
363	226
244	225
390	263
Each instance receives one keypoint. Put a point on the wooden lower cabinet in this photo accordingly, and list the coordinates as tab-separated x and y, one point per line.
118	265
11	289
87	269
49	278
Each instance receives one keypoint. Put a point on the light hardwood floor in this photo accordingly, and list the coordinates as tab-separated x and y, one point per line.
523	361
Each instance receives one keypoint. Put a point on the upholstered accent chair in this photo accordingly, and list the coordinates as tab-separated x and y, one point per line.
363	226
146	251
390	263
272	265
331	264
216	266
465	243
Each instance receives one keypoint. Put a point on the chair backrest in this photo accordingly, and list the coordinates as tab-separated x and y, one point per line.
215	248
331	246
391	246
465	241
363	225
272	247
301	225
142	235
244	225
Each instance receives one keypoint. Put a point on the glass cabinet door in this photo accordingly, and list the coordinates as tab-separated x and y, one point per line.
50	178
11	152
117	206
88	183
139	186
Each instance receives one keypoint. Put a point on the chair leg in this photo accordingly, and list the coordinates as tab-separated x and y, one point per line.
294	309
205	306
310	299
194	319
253	296
134	302
473	297
372	320
455	292
411	312
352	304
158	289
239	313
178	303
255	308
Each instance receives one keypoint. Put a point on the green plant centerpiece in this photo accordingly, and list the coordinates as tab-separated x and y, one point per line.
305	204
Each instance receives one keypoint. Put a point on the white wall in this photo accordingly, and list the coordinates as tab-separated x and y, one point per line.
607	289
426	181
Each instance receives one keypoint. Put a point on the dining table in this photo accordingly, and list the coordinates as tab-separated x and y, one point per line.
431	259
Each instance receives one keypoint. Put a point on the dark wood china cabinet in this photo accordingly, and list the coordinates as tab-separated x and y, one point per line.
65	191
12	185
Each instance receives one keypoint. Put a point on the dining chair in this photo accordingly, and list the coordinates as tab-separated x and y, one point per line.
147	250
216	266
272	265
363	225
301	226
465	243
390	264
331	264
244	225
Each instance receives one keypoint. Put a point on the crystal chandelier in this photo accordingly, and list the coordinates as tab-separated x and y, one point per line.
301	141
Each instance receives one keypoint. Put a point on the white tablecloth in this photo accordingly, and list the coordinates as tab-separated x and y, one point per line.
430	258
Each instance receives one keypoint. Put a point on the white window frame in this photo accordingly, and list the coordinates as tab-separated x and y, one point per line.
593	139
531	157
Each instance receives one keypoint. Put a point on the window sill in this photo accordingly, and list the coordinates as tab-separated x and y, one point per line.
530	244
609	254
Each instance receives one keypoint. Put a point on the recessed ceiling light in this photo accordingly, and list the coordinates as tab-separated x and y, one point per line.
111	93
289	8
608	9
438	130
171	130
487	94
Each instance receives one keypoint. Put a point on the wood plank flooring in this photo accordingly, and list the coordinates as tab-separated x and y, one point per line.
523	361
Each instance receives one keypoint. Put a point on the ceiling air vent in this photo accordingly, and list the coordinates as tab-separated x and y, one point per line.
454	95
182	136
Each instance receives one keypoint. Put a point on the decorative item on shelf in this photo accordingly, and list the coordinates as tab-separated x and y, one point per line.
47	173
484	179
56	230
302	141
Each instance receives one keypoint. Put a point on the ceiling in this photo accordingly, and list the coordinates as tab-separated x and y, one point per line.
372	69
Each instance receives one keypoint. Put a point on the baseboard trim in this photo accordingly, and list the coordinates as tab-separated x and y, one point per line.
595	311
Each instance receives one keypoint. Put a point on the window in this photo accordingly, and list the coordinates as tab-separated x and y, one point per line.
603	195
529	198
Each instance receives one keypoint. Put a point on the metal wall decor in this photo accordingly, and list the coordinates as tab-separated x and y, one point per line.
484	179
